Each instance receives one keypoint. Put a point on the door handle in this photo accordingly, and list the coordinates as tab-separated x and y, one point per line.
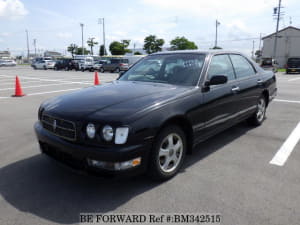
260	81
235	89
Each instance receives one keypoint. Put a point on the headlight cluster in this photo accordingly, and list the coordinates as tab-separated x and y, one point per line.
107	132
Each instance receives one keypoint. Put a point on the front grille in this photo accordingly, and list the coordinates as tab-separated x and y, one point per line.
60	127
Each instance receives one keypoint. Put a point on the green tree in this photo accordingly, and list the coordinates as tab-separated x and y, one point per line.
152	44
91	43
181	43
101	50
119	48
79	51
72	48
137	53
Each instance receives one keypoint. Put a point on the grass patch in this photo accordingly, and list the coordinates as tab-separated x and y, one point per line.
281	70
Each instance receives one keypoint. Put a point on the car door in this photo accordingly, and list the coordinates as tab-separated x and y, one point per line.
250	84
40	64
219	108
106	65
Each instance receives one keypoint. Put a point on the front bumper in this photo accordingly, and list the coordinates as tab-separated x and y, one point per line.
293	70
77	156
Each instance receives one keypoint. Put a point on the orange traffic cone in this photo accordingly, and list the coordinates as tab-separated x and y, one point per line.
18	89
96	80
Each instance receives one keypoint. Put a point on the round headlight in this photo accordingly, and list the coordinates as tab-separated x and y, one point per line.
108	133
90	130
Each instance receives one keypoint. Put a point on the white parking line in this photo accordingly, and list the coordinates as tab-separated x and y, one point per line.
288	101
43	85
23	82
48	92
286	149
298	78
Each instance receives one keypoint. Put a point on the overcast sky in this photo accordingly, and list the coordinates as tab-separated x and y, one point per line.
55	24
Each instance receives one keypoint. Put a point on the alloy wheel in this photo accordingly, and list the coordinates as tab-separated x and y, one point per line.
170	153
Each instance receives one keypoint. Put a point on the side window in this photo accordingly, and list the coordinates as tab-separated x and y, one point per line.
242	66
221	65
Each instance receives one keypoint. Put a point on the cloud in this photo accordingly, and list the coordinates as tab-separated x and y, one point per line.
213	8
64	35
12	9
4	34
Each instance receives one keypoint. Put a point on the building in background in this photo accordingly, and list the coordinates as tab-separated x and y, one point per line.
52	54
4	54
288	45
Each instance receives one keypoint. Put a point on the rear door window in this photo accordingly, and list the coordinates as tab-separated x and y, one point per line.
242	66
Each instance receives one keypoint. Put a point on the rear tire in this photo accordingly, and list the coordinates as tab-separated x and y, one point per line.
101	70
117	70
167	154
259	116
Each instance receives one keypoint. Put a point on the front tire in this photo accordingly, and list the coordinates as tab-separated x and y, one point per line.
259	116
167	154
101	70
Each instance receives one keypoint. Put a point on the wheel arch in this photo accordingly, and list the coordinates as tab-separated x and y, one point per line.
265	93
185	125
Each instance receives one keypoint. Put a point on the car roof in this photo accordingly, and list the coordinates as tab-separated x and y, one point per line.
206	52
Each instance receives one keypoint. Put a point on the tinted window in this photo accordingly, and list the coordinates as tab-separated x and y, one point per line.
179	69
242	66
114	60
294	60
220	65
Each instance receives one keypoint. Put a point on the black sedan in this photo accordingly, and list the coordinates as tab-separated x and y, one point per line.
155	113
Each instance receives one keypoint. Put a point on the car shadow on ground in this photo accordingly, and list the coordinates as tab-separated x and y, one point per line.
38	186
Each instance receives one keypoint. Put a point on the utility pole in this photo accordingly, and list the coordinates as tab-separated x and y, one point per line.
28	52
253	49
34	44
276	11
82	38
101	21
216	40
259	46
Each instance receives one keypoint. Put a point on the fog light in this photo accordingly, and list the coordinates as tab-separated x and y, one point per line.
128	164
115	165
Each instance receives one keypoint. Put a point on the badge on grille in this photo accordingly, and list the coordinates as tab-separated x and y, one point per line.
54	125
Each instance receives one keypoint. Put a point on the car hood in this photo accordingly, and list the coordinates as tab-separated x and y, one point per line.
113	101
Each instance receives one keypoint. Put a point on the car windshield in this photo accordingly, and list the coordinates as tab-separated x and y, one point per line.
178	69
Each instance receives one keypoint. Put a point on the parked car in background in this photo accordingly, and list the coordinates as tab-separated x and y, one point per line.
44	64
115	65
85	62
98	64
269	64
8	62
66	64
293	65
155	113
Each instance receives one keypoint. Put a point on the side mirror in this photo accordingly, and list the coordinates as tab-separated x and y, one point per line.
218	79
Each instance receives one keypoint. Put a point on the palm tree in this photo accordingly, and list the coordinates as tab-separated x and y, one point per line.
72	49
92	43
